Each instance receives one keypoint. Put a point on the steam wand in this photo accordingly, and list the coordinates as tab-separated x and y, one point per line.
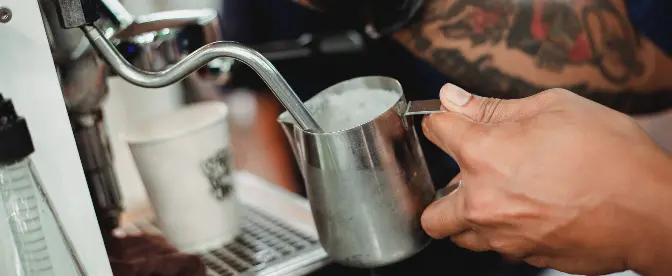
198	59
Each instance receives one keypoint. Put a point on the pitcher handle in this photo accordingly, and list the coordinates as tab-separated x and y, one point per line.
423	107
440	193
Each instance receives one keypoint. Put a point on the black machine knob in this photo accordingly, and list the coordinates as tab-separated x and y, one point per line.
77	13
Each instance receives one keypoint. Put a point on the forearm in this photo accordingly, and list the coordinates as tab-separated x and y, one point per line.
515	48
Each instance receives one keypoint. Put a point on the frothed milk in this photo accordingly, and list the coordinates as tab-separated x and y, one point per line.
352	108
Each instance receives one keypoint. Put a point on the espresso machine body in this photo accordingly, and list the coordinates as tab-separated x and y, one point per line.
28	76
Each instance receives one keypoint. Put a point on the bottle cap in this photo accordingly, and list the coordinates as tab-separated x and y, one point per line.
15	140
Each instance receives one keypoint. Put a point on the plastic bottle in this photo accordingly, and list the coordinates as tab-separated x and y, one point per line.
19	192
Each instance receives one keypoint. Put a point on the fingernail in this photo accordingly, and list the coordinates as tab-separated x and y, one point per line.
455	95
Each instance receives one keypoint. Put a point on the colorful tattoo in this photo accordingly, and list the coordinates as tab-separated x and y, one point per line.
556	34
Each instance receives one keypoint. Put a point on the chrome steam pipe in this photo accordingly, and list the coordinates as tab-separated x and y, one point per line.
199	58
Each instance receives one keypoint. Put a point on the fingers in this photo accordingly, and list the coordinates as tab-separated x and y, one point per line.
471	117
471	240
537	261
450	130
445	217
490	110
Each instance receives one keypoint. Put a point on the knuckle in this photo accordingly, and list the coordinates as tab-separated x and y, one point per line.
549	96
429	225
481	205
477	212
537	261
556	93
470	240
434	221
428	126
433	232
507	248
431	132
552	96
427	123
471	141
487	110
477	144
469	151
459	240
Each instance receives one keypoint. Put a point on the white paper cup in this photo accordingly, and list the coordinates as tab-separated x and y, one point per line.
185	163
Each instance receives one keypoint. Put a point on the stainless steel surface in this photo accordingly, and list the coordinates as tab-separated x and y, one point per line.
267	246
447	190
198	59
173	20
424	107
275	241
5	15
367	185
159	40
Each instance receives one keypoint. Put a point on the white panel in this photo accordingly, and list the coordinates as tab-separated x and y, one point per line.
27	75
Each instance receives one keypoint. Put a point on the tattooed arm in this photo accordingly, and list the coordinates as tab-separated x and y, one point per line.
515	48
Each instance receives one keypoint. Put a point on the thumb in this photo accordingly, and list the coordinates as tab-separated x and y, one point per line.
452	132
488	110
467	123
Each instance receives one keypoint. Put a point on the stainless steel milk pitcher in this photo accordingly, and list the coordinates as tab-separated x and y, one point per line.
369	184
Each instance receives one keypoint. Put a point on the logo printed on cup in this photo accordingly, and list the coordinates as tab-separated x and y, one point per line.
218	171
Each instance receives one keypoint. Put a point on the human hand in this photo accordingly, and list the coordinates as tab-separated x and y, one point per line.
555	180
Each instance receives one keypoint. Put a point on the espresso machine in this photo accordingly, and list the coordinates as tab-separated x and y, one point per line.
89	40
